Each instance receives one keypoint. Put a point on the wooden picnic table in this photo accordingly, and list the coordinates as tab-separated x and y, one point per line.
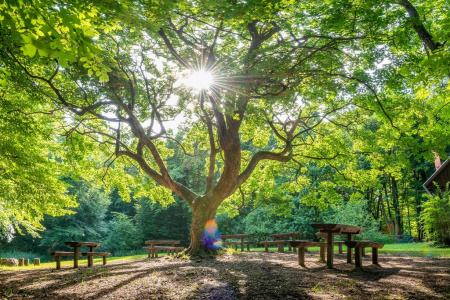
238	236
76	245
331	230
170	248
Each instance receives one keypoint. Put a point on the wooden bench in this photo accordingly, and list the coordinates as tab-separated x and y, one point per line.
284	236
153	250
90	256
59	254
302	245
236	243
233	244
359	245
279	243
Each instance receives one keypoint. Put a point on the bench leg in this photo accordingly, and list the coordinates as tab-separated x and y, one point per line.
235	247
375	256
248	247
340	248
358	257
301	256
290	249
322	253
156	252
104	260
58	262
363	251
266	247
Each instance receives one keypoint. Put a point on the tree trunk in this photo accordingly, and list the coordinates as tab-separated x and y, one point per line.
396	205
384	214
202	212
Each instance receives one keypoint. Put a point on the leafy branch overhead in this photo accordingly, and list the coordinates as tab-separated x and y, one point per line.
291	82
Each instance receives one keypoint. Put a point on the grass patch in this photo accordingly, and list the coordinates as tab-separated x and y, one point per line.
416	249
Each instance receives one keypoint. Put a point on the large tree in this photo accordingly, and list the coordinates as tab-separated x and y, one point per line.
287	78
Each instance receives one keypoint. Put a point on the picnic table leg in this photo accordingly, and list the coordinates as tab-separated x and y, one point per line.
91	257
330	250
322	253
358	257
75	257
266	247
340	248
363	251
248	247
242	245
349	250
104	260
58	262
375	256
301	256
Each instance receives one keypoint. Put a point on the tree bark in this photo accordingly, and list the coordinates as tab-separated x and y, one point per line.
202	212
425	37
384	213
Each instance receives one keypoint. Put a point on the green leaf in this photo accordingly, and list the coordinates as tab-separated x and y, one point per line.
29	50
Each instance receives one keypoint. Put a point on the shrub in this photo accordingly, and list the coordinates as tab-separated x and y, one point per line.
355	213
436	216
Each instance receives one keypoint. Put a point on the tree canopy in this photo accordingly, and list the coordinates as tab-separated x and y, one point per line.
343	83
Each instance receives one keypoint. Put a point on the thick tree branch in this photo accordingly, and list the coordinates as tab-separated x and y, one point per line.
172	49
425	37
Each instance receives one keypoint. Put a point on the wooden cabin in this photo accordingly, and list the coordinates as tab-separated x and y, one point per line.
441	176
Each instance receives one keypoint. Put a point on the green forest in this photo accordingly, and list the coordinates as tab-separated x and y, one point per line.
124	121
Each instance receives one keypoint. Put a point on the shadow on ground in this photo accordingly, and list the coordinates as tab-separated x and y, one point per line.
249	275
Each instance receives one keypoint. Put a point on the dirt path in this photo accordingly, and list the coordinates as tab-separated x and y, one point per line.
252	275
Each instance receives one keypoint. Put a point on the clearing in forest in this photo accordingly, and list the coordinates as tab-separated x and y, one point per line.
249	275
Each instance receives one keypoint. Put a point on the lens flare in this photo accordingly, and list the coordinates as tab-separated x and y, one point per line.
211	236
211	227
200	80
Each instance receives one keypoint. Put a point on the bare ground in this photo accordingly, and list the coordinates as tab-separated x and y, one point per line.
249	275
